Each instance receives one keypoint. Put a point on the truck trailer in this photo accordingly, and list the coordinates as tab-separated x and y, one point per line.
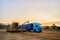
32	27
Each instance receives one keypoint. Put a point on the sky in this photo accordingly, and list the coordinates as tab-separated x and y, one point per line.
42	11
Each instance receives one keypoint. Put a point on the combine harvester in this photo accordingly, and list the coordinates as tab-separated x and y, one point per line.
31	27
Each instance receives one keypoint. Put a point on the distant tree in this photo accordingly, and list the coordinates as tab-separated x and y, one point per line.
47	27
58	28
8	26
54	26
1	26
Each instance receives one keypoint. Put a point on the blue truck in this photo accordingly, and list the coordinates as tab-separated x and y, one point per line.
32	27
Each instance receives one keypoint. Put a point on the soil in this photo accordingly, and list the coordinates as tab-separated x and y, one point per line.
44	35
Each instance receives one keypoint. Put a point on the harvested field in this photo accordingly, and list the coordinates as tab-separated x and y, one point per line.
45	35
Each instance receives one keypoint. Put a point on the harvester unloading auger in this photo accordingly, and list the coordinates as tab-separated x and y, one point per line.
31	27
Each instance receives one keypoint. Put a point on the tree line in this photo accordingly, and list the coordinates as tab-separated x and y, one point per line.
53	27
4	26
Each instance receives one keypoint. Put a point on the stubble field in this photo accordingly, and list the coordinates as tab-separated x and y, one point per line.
45	35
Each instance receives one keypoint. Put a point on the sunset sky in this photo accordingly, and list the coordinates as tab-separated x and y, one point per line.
42	11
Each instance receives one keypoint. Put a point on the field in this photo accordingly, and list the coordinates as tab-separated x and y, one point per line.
45	35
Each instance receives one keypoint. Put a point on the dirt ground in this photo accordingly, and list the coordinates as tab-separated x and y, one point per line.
45	35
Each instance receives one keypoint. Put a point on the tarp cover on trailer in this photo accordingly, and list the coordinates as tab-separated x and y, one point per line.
27	26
